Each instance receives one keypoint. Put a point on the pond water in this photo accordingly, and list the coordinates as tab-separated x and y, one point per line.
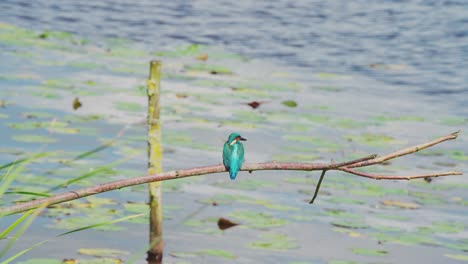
335	80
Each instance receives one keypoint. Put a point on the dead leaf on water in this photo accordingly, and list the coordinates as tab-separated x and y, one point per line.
202	57
255	104
224	223
400	204
76	103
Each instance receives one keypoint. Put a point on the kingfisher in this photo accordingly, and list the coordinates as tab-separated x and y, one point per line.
233	154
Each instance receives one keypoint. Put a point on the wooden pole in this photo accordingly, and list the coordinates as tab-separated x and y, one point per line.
155	253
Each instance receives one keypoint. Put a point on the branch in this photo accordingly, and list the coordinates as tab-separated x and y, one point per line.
343	166
406	151
397	177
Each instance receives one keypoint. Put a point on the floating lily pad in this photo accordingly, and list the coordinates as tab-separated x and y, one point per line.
454	121
217	253
257	219
459	155
213	69
442	227
343	200
273	241
372	139
388	118
457	257
406	238
129	107
289	103
34	139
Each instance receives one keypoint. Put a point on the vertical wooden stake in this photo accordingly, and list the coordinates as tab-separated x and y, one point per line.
155	252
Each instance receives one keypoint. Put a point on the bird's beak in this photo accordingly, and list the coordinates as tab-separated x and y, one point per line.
242	139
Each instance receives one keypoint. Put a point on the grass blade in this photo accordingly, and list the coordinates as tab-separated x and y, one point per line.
102	224
29	193
95	150
15	224
26	223
22	252
36	156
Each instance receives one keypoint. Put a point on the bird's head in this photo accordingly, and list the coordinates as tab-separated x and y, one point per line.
234	137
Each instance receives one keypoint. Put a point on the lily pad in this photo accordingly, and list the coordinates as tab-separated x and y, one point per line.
217	253
274	241
372	139
289	103
457	256
257	220
213	69
129	107
459	155
34	139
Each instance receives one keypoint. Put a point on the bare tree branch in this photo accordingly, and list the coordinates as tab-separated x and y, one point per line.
398	177
405	151
343	166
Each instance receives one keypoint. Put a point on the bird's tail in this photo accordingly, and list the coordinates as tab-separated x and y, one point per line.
232	174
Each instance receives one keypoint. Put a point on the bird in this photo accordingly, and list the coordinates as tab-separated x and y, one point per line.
233	154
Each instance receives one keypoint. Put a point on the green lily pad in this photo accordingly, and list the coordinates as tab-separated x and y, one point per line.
273	241
213	69
406	239
454	121
34	139
217	253
369	252
257	220
442	227
457	256
289	103
459	155
129	107
372	139
387	118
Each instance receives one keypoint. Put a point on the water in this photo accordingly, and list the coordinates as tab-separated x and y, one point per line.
426	41
396	68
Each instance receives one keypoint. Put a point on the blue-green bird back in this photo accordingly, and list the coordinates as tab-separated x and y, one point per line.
233	156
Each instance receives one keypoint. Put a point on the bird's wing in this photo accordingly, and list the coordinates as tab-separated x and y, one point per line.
226	155
240	154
